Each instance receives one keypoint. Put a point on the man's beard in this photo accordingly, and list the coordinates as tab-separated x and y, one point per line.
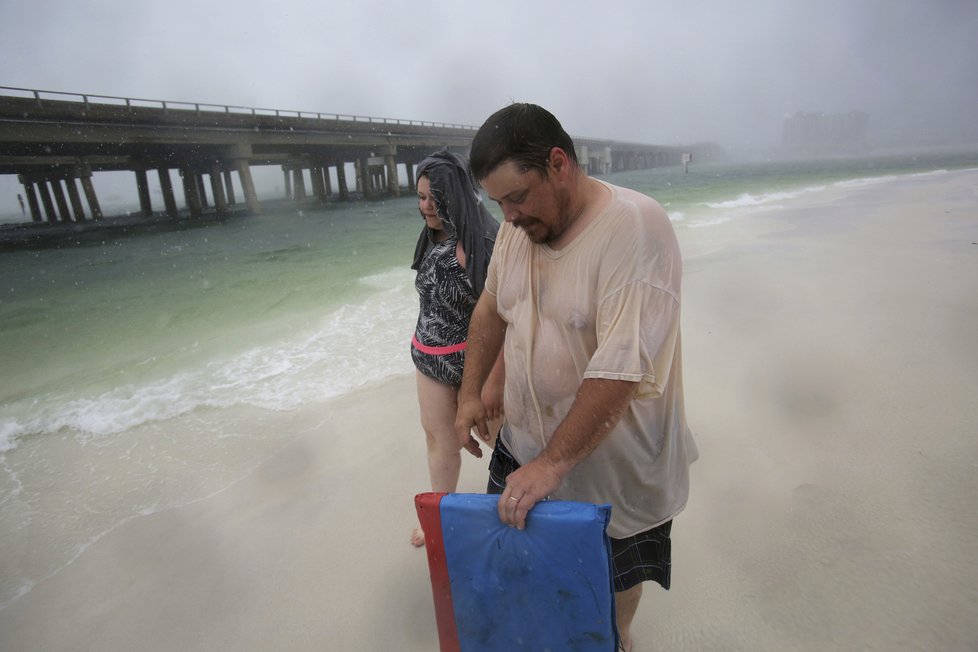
544	234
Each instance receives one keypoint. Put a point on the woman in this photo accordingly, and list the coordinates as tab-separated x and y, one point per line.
451	259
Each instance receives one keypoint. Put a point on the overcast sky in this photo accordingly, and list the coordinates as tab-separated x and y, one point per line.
645	70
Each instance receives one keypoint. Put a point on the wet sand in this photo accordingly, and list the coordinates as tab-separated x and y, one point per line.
831	366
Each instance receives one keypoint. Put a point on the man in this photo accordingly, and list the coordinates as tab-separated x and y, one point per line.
584	289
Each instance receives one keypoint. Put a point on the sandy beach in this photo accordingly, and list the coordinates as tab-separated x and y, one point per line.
831	369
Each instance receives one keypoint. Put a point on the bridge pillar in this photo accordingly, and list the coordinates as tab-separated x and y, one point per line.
327	184
142	186
373	179
31	197
74	198
217	189
393	187
363	179
287	175
191	192
409	166
60	201
300	183
248	186
90	196
316	176
343	189
42	187
166	185
201	190
59	198
229	188
313	184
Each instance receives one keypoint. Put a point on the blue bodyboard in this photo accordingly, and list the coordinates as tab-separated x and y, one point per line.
496	588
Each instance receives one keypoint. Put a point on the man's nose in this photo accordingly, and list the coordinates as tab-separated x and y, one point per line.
510	213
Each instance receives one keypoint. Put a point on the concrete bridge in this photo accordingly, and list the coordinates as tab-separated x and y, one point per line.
55	141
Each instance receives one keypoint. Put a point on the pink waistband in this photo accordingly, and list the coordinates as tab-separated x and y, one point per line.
437	350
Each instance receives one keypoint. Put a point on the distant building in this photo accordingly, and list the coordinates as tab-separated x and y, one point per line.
825	134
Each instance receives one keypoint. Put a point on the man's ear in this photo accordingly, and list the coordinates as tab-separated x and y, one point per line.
558	160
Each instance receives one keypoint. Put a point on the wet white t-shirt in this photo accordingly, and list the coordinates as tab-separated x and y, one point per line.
606	305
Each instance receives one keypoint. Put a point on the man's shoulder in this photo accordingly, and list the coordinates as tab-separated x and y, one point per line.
645	205
641	229
634	217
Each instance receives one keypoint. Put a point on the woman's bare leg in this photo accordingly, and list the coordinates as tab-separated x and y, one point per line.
439	403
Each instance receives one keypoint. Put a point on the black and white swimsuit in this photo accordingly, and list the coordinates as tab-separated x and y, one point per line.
447	302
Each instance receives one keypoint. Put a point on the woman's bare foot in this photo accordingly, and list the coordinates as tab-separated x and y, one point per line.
417	537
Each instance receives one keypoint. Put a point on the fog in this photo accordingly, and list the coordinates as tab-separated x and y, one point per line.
661	72
647	70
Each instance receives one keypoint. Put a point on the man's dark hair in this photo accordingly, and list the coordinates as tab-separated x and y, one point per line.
522	133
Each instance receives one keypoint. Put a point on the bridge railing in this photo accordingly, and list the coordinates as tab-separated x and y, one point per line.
39	96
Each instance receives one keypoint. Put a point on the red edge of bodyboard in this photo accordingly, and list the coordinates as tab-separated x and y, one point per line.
429	514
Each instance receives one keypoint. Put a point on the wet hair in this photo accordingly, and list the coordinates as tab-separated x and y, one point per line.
464	216
522	133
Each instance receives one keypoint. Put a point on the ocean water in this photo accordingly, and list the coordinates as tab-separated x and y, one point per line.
272	311
136	372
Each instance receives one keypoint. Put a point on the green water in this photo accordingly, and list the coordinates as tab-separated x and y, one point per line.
720	182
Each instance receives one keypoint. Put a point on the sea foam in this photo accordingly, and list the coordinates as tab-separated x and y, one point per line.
749	200
358	343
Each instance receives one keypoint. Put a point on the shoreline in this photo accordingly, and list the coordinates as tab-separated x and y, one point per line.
830	369
238	444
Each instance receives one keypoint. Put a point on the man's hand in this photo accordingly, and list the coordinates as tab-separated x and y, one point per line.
471	445
471	414
525	487
492	399
597	407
